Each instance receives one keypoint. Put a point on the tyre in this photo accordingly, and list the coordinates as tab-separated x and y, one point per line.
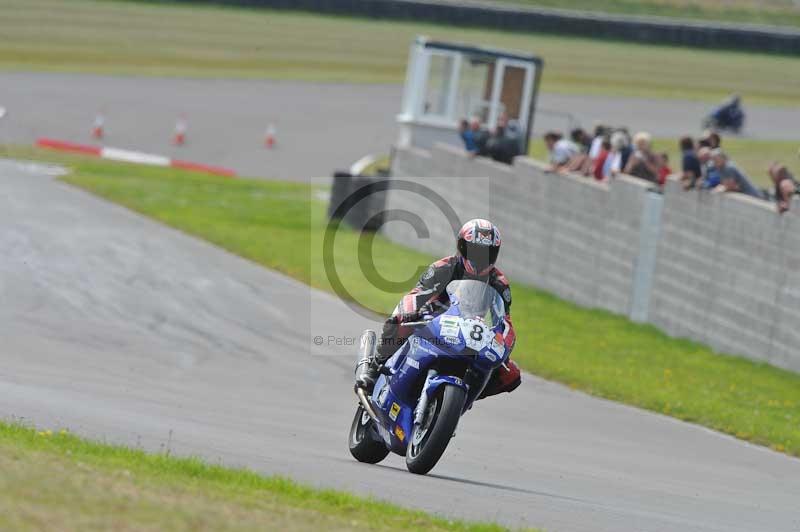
429	440
364	446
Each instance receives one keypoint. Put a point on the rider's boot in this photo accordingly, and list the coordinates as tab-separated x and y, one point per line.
503	379
366	374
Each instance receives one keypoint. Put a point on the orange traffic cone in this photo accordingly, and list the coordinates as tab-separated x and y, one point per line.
179	137
269	137
97	127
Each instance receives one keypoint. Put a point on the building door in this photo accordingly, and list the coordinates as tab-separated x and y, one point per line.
511	92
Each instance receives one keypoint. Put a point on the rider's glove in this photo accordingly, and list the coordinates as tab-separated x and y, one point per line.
406	317
425	312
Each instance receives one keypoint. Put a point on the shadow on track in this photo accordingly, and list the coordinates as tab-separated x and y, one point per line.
478	483
503	487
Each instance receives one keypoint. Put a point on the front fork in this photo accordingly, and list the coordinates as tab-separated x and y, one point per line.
422	404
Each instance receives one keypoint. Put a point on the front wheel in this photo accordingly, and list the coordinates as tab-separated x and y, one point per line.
429	439
364	446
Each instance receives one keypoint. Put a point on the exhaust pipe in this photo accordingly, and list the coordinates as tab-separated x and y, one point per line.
364	400
367	345
366	355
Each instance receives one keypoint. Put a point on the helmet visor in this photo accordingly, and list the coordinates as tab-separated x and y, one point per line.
480	255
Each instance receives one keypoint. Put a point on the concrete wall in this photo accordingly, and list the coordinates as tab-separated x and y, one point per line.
569	235
703	266
727	275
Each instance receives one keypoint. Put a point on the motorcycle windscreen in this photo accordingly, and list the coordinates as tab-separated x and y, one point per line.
476	299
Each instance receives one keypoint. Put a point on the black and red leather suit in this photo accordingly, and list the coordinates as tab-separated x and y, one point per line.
430	296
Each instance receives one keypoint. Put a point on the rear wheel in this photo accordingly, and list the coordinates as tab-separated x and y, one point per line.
364	445
429	439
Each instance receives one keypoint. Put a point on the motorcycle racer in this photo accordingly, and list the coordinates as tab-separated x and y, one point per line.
477	244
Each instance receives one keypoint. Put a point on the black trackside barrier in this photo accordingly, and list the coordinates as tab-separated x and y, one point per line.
340	190
656	30
361	210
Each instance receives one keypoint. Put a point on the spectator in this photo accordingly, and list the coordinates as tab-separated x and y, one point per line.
643	164
664	169
620	153
468	136
504	143
580	163
711	176
731	179
690	164
710	139
627	150
600	135
560	149
480	136
785	186
582	139
599	162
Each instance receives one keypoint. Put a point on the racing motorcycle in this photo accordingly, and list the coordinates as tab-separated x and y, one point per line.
431	381
727	116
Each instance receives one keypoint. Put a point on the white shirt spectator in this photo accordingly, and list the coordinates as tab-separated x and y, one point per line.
613	165
563	151
597	145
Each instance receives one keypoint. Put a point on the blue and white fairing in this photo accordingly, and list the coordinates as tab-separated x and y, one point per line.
460	347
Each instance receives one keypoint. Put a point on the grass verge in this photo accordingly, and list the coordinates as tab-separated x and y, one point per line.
752	156
57	481
588	349
207	41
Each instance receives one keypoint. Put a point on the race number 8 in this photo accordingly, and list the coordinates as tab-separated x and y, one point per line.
476	333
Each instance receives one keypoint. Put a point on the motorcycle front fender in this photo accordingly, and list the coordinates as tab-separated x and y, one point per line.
436	381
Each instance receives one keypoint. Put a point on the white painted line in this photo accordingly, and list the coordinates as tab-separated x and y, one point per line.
130	156
40	169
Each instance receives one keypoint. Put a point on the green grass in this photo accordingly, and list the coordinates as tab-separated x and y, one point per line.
752	156
777	12
53	480
207	41
591	350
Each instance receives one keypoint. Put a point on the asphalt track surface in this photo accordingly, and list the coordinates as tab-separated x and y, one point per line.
320	127
124	330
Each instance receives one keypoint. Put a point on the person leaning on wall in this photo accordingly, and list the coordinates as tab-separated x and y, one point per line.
643	164
786	186
731	178
691	169
560	150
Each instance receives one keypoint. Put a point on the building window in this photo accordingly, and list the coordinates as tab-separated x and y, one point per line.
439	84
